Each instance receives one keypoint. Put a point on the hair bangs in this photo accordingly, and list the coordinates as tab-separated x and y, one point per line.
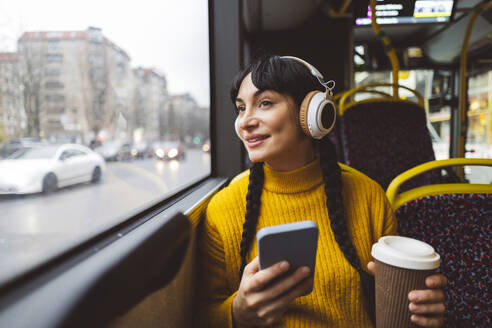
285	76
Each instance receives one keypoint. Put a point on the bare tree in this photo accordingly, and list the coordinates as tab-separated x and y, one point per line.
96	86
3	135
30	75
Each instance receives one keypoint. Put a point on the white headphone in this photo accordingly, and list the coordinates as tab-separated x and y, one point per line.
313	106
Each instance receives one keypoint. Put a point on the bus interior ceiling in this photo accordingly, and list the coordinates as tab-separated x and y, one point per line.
307	30
326	41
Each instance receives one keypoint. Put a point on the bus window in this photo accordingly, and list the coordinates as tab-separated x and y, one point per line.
479	135
124	84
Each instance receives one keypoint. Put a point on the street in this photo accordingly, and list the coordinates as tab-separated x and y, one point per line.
36	227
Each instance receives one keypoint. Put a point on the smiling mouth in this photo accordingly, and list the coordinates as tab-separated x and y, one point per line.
258	139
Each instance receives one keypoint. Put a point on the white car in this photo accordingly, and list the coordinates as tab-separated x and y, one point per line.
46	169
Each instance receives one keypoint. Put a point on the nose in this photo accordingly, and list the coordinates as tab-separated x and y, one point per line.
248	120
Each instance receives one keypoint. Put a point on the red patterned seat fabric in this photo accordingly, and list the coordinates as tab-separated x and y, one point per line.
459	227
385	138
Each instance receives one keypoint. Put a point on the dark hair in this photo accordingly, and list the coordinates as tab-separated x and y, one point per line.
285	76
292	78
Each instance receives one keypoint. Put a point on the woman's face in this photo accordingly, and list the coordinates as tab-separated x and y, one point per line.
268	125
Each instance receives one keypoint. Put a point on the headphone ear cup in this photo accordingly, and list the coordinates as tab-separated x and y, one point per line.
303	112
329	115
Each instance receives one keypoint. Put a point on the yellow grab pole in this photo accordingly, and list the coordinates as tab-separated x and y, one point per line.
388	47
341	12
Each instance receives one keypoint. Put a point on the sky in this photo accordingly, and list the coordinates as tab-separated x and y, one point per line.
169	35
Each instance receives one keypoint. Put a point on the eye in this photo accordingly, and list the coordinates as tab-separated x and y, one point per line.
266	103
240	108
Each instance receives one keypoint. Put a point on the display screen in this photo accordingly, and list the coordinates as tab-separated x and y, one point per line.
409	12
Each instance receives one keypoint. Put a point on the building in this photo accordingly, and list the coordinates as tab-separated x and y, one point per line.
77	85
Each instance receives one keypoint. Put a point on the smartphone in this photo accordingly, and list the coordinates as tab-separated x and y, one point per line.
293	242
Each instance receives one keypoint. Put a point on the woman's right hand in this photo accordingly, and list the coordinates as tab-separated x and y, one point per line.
257	304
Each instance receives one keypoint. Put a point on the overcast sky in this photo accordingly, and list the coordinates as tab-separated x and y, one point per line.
169	35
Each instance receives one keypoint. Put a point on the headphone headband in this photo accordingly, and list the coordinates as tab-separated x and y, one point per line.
314	72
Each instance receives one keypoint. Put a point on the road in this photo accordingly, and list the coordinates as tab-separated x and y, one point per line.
36	227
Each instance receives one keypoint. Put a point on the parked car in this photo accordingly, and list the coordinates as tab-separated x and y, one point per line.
168	150
14	145
115	151
45	169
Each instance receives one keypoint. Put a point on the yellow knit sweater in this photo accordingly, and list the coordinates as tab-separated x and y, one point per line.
336	300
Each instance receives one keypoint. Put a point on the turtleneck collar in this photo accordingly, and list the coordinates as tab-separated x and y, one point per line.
301	179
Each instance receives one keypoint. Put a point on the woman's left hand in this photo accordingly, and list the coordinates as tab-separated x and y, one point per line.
426	305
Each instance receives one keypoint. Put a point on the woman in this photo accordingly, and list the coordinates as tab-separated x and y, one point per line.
294	178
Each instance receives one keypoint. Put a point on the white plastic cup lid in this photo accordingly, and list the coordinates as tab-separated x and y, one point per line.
405	253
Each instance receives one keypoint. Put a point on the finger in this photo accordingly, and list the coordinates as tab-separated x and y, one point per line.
436	281
285	284
427	321
263	277
252	267
371	266
283	301
431	308
426	296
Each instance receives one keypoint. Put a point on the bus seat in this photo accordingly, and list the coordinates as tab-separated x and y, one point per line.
456	219
385	137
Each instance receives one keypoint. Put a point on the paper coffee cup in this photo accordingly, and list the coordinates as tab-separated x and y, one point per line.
402	264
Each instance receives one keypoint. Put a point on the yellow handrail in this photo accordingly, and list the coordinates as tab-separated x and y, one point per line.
462	94
397	200
388	47
381	93
345	95
341	12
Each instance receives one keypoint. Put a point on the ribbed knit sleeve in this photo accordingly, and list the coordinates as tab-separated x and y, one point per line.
214	308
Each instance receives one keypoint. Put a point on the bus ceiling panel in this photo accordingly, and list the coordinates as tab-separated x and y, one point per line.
445	47
277	15
467	4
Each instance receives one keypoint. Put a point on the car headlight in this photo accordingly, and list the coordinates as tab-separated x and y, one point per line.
173	152
159	152
134	152
206	147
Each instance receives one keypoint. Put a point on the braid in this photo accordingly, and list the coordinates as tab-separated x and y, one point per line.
255	187
332	176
